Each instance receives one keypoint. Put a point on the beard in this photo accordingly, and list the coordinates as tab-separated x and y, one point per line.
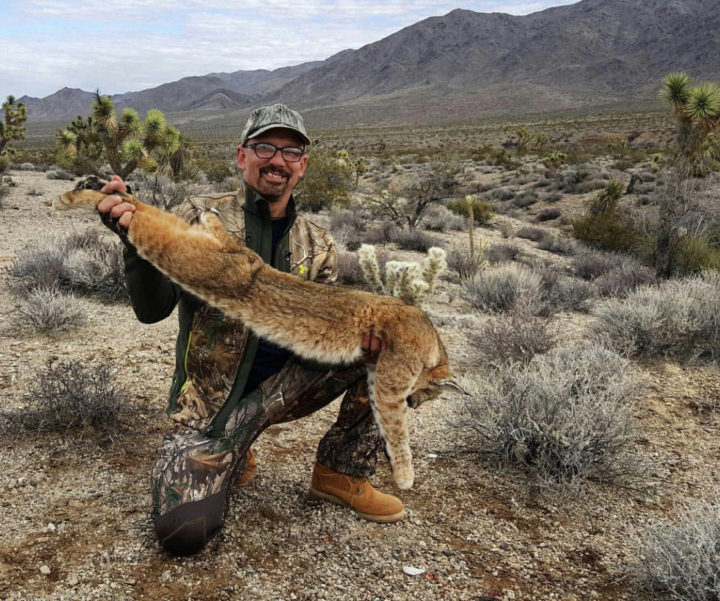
270	186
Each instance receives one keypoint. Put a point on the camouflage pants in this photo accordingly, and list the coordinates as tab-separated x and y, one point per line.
191	477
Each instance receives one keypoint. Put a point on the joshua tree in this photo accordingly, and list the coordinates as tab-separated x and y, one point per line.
125	143
697	117
13	126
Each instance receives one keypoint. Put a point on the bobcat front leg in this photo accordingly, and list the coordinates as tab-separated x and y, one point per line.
212	224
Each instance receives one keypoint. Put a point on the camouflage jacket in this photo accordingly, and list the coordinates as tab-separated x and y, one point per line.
213	353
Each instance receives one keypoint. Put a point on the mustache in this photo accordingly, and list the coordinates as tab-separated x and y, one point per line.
282	172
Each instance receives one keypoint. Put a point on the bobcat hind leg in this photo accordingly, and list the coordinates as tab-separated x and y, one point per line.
389	384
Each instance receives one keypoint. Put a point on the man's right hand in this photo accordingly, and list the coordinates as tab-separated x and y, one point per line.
114	211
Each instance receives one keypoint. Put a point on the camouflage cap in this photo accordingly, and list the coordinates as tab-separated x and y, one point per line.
269	117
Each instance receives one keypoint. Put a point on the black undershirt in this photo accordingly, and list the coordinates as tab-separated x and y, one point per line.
269	358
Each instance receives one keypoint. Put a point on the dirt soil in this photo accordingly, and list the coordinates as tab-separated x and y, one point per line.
75	510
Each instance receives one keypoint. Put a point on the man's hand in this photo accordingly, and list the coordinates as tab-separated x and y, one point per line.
114	211
371	345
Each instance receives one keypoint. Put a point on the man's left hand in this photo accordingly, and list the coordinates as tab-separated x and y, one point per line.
371	345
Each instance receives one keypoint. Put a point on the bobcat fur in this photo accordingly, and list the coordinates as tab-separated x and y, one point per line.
323	323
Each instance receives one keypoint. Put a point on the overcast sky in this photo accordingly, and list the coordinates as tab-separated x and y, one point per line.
130	45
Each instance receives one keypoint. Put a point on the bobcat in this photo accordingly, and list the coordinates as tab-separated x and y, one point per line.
323	323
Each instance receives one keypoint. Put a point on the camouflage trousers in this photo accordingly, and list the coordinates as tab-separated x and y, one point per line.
191	478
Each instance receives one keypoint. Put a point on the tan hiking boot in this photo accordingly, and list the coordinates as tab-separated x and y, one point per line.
356	493
250	466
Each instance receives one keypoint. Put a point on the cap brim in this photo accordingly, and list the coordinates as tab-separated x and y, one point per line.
265	128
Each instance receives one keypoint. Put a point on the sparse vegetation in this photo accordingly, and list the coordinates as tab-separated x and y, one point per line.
678	319
71	395
682	559
48	310
565	416
512	338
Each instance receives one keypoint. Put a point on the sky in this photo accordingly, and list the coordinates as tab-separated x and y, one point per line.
132	45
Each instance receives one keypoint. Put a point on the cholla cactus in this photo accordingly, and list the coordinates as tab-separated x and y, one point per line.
370	267
433	265
406	280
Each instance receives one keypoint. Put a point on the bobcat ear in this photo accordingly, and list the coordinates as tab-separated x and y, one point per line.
451	384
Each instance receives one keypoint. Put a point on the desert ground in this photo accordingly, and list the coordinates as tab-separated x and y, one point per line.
75	506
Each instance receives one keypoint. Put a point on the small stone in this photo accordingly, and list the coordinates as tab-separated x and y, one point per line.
45	570
72	579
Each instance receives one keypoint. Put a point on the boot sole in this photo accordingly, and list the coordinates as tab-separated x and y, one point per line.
382	519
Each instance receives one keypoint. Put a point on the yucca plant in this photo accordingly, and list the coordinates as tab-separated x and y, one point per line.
697	117
126	143
12	127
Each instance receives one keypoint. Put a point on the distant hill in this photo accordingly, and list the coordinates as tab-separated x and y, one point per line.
592	53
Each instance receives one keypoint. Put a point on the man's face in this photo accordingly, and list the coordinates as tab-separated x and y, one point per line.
274	178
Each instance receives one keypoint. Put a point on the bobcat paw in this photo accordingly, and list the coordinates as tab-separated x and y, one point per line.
404	476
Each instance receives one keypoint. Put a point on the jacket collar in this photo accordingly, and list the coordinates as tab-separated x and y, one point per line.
257	204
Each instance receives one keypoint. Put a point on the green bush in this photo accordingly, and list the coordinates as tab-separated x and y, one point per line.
693	255
482	211
327	182
612	231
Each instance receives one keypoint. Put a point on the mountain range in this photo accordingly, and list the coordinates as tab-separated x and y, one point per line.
593	53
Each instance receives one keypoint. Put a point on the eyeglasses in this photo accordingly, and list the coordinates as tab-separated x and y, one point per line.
264	150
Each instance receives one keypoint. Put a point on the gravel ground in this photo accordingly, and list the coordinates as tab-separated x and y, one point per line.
75	509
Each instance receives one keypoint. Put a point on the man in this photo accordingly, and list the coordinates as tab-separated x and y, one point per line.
229	385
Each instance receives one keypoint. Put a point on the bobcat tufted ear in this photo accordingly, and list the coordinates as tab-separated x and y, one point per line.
450	384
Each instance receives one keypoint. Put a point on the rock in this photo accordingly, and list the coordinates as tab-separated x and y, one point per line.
45	570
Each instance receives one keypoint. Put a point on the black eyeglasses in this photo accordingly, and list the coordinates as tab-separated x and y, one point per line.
264	150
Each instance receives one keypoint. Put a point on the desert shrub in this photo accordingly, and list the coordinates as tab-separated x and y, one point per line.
4	163
216	170
48	310
26	167
349	271
507	287
415	240
503	252
679	318
86	263
628	276
382	233
4	192
482	211
561	292
693	255
439	218
560	245
232	183
59	173
531	233
592	264
327	181
525	199
568	182
502	194
682	559
464	264
71	395
613	231
565	416
512	338
548	214
162	191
